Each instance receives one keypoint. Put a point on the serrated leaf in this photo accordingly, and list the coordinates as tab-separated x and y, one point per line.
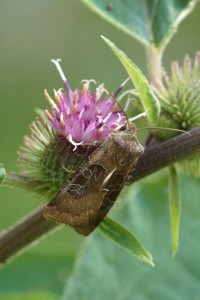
174	207
148	99
125	239
2	172
148	21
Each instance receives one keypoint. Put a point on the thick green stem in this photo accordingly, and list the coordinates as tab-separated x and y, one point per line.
154	63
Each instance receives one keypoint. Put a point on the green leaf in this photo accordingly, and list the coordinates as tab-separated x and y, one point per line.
2	172
104	271
149	21
149	100
174	207
124	238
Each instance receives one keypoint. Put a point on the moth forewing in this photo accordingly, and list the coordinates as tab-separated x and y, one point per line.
107	179
86	198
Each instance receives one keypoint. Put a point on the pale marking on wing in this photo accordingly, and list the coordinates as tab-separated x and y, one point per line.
108	177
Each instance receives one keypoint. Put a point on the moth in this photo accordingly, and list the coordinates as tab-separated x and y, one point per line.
86	198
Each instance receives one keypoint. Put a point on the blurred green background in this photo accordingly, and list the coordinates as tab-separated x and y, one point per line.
32	33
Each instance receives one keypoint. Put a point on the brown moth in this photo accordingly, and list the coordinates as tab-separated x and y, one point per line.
86	198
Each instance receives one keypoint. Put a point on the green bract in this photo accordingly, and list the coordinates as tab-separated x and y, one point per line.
179	97
47	158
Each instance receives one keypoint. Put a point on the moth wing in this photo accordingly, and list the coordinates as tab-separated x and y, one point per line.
78	201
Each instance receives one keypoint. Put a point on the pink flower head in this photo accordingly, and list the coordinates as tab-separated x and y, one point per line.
83	117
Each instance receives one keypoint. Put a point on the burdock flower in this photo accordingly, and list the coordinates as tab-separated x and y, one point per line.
179	96
82	117
69	131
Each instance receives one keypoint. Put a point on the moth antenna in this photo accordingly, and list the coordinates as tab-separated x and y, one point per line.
127	120
165	128
114	95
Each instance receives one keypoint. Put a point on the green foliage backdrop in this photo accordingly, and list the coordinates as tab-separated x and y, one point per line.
32	33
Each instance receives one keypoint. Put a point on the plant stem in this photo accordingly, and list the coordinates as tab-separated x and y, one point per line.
162	155
18	237
34	226
154	66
